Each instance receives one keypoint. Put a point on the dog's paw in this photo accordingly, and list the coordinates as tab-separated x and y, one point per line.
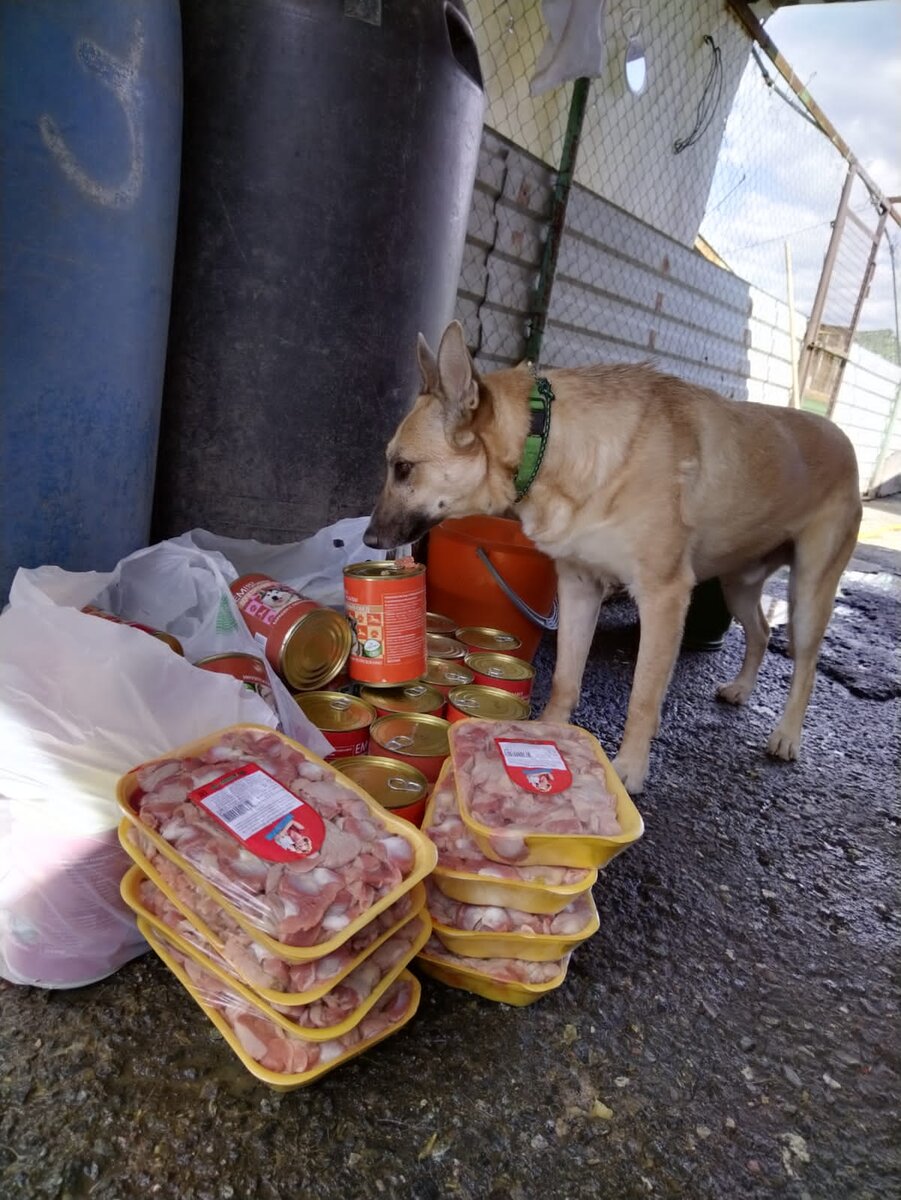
735	692
783	744
633	771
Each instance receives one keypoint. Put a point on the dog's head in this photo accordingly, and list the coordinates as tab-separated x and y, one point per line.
437	463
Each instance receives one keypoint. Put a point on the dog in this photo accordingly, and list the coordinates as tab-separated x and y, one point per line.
646	481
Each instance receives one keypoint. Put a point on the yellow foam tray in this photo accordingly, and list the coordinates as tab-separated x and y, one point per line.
424	853
502	991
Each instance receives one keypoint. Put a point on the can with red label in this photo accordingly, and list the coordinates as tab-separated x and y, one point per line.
306	643
495	641
250	670
414	738
343	720
385	605
438	623
502	671
441	646
413	698
485	703
446	673
171	641
395	785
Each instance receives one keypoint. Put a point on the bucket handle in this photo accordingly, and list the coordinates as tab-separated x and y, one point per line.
548	623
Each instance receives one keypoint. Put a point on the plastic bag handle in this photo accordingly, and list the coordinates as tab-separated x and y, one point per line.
548	623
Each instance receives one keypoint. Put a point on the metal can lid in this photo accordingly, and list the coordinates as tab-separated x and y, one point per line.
439	646
254	658
416	734
336	711
415	697
447	671
394	784
170	639
403	568
315	650
484	638
488	703
439	623
499	666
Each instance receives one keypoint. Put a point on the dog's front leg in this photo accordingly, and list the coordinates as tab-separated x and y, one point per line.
580	598
661	610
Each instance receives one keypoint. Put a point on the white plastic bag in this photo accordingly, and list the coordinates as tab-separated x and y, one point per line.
83	700
575	44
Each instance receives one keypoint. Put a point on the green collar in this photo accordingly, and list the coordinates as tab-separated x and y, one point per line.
540	399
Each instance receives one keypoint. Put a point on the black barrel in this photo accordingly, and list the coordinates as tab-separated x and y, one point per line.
329	155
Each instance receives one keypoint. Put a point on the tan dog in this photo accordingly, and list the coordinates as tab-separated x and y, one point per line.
648	481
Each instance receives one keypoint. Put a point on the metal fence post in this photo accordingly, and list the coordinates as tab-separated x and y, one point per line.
559	201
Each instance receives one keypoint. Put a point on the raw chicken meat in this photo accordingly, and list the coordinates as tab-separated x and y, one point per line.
457	851
508	970
491	797
302	903
252	961
490	919
274	1047
339	1002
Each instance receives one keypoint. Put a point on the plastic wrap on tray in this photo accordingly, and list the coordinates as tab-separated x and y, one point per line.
540	794
508	980
278	980
464	873
325	860
330	1016
280	1058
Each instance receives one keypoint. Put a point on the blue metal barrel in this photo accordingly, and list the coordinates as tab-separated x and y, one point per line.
90	133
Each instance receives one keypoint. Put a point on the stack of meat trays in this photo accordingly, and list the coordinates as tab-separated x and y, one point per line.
280	895
522	817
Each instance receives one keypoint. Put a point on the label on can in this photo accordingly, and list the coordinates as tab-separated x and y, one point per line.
387	618
262	814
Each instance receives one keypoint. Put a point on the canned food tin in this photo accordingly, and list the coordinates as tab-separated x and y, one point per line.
396	785
414	698
502	671
385	605
172	642
342	720
414	738
446	673
437	623
307	644
440	646
486	703
479	637
247	668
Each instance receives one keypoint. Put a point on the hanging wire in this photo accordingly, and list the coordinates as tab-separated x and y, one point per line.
710	98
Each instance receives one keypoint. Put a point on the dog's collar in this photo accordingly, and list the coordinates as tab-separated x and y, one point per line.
541	398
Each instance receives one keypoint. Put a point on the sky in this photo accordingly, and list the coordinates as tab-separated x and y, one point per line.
779	180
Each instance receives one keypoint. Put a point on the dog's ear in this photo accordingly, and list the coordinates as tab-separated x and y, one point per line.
458	381
428	367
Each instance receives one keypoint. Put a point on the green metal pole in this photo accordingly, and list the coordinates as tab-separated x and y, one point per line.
559	201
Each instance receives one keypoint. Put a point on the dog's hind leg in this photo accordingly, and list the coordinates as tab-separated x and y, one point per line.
580	597
742	594
661	610
818	564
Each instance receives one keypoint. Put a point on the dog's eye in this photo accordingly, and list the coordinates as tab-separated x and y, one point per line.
402	470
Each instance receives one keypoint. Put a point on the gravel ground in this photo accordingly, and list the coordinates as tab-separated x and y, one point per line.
730	1032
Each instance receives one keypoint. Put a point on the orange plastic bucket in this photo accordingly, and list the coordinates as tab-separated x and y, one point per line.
464	586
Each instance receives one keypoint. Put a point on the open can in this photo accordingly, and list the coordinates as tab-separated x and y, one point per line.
414	738
414	698
306	643
485	703
396	785
446	673
342	720
495	641
502	671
